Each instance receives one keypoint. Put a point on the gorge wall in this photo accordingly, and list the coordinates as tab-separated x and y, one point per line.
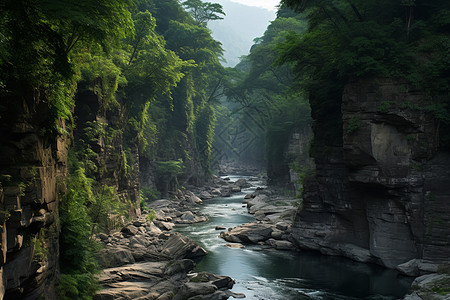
380	189
33	162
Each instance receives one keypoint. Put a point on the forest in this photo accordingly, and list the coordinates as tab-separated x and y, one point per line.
107	105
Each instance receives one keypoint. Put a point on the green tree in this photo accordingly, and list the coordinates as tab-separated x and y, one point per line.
203	12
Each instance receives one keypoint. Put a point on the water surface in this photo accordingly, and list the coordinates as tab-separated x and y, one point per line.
271	275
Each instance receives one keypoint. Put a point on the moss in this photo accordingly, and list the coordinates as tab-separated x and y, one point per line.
353	124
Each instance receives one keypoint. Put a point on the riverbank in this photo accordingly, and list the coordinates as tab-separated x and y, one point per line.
147	260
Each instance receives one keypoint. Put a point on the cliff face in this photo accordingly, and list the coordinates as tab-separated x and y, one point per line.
33	165
102	130
381	196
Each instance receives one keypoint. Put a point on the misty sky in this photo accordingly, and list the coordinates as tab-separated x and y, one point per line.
267	4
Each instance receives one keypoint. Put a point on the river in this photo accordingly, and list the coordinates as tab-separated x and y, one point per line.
271	274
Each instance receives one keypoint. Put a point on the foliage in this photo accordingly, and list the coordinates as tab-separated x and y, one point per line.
353	124
39	38
203	12
170	167
263	96
366	39
77	249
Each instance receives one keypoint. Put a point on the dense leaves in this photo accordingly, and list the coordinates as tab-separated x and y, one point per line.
347	40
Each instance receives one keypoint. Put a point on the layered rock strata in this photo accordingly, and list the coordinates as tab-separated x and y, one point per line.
383	195
33	165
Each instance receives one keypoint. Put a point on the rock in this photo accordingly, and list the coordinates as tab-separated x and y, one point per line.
249	196
235	189
102	236
191	289
220	228
234	246
194	199
221	282
138	223
166	225
216	192
205	195
226	193
146	271
129	230
430	286
259	199
115	257
283	226
179	246
248	233
187	217
179	266
417	267
280	245
277	234
242	183
153	229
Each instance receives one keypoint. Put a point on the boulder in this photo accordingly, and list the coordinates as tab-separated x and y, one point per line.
242	183
115	257
280	245
166	225
129	230
430	286
248	233
257	200
249	196
205	195
179	266
178	246
234	246
283	226
417	267
191	289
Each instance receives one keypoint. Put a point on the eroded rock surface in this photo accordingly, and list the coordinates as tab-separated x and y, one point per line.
380	190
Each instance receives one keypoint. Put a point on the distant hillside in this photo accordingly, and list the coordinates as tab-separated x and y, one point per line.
238	29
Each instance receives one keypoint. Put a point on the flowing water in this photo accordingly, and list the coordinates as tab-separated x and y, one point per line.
271	275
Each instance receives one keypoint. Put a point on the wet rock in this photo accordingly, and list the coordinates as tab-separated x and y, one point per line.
179	266
280	245
179	246
249	196
283	226
191	289
259	199
417	267
431	286
234	246
242	183
205	195
220	228
248	233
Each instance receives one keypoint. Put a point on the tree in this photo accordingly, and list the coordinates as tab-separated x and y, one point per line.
203	12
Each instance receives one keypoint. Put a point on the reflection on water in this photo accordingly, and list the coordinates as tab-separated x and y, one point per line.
270	274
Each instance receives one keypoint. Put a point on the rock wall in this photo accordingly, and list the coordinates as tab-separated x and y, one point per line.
383	195
108	145
33	165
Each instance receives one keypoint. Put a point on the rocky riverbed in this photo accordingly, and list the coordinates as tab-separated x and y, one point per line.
146	260
272	228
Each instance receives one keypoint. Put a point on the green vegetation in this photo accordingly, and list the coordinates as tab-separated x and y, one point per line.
134	82
261	100
353	124
349	40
